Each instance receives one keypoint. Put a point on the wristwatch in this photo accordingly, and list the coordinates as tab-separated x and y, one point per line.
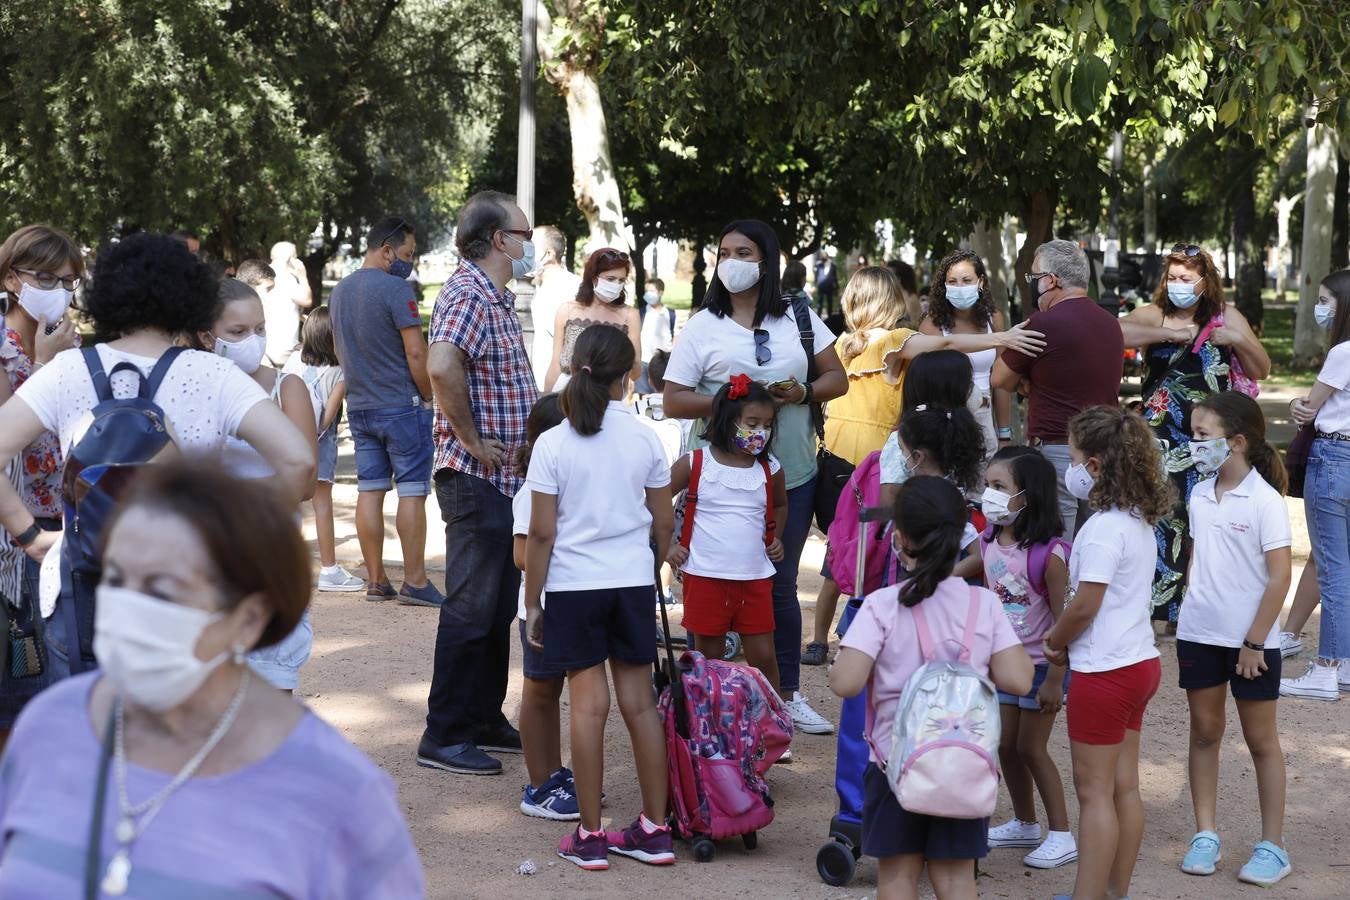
1005	433
26	537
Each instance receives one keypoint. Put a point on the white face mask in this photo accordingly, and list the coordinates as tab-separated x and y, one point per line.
247	354
649	298
147	647
963	296
738	275
1079	481
1209	456
994	505
44	305
608	291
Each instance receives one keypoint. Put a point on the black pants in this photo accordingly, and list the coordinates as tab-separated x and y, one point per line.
473	639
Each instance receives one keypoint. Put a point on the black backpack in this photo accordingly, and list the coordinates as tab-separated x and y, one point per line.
124	436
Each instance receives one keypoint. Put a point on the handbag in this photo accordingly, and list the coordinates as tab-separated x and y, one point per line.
832	472
1238	379
1296	458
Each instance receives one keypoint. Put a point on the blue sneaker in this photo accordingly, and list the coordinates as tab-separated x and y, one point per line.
1203	854
566	774
554	799
1269	863
426	595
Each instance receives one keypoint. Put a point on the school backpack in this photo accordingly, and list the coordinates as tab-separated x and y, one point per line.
124	435
944	744
1038	557
862	491
690	502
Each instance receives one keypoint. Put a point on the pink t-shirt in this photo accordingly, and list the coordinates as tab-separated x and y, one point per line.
884	630
1005	571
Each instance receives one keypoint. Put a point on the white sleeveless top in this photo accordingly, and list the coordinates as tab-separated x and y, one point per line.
981	364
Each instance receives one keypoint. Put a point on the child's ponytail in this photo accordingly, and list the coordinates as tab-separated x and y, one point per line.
951	437
1241	415
603	355
930	518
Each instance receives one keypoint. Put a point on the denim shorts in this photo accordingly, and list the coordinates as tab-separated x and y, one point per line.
280	663
393	445
1028	701
328	454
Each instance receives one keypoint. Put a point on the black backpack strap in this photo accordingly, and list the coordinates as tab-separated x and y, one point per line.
161	369
102	383
801	311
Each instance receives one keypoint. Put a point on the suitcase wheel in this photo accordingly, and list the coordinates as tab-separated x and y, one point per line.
750	839
836	863
704	850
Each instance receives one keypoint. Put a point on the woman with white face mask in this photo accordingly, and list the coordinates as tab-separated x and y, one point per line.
147	291
40	268
194	768
602	299
240	335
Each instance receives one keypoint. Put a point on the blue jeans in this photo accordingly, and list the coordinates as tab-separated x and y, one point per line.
473	639
393	445
16	692
1326	499
787	610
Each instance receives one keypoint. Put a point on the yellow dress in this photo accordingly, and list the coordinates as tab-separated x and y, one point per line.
859	422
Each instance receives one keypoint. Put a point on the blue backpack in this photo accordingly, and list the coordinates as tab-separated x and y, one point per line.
125	435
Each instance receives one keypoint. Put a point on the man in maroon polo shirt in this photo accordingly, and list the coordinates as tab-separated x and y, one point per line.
1081	365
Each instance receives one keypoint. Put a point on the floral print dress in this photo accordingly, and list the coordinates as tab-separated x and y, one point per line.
40	462
1178	377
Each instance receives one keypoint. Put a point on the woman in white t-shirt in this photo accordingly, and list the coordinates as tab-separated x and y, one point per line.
147	290
1325	493
1105	636
747	325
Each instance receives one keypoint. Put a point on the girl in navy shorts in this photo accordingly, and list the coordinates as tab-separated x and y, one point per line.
1106	637
728	542
1228	632
600	490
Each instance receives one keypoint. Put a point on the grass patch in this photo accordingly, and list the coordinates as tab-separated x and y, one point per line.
1278	339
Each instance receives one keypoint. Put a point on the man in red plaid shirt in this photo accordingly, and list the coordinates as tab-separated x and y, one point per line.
484	391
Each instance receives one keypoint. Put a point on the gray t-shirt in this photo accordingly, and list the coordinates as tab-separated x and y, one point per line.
369	308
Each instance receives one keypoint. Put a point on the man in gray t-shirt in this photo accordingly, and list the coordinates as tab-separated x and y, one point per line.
377	330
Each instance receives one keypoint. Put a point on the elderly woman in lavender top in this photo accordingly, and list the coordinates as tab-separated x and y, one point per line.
174	771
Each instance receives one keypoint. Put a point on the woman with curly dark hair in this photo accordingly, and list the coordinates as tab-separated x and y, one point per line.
602	299
147	290
960	302
1105	637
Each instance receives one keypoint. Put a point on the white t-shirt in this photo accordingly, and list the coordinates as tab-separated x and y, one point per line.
728	538
711	349
604	526
656	332
556	286
522	505
1117	549
281	314
1228	566
1334	416
204	396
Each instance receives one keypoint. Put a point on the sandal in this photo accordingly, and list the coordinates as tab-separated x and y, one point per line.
815	653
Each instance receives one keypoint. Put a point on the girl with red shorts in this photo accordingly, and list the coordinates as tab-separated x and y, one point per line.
728	542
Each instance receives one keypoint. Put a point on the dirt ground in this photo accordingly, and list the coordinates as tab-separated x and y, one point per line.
371	670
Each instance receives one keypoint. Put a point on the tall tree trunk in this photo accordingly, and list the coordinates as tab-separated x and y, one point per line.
1038	219
1284	210
987	241
1249	276
1316	256
1340	216
573	70
1150	209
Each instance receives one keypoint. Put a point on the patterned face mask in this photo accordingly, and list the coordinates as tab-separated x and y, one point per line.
752	440
1209	456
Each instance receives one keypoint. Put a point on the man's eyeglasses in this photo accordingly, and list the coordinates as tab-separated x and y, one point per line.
1187	249
1033	277
763	355
49	280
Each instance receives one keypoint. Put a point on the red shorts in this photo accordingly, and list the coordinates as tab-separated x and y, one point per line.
1103	705
714	606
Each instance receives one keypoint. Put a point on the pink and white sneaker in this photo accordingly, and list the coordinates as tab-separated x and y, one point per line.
656	848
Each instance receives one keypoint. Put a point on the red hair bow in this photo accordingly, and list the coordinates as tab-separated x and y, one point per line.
740	386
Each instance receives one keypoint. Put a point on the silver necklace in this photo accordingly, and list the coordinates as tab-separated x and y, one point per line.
135	819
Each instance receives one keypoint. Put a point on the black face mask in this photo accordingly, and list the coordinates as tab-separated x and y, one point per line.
1037	293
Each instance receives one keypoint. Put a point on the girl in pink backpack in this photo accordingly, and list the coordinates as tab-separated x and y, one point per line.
1026	563
882	647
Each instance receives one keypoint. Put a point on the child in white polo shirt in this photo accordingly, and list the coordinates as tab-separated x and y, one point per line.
1227	635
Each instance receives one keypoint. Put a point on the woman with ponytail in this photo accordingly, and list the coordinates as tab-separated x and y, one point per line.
1106	638
1227	635
882	647
600	488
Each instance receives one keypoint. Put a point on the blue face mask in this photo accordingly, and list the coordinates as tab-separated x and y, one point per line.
400	268
1182	295
1324	315
963	296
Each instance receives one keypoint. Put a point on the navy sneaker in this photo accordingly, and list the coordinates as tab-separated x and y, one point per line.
426	595
566	773
554	799
462	759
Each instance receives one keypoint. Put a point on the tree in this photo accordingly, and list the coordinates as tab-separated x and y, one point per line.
1316	262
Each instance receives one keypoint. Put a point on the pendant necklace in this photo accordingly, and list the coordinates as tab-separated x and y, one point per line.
135	819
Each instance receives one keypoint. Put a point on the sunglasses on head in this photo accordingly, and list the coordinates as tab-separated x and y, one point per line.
391	237
1187	249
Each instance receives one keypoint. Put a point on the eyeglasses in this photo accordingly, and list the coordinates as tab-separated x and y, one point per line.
763	354
1033	277
397	229
518	233
49	280
1188	249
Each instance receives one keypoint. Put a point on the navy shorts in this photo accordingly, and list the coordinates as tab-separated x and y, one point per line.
393	446
584	628
1205	666
328	454
532	661
888	830
1029	702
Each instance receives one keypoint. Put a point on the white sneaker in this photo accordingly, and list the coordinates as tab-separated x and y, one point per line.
805	718
1318	683
1343	676
1015	833
1058	850
1290	644
339	580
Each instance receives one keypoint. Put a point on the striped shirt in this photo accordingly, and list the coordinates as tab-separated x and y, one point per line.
481	321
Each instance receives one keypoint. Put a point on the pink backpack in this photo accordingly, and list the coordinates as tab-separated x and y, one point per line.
863	490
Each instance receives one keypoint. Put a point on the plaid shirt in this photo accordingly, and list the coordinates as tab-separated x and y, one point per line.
481	321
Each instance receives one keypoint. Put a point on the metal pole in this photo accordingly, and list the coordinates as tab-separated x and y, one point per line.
1110	298
529	56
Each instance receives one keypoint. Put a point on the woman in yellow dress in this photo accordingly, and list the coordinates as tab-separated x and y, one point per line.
875	355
